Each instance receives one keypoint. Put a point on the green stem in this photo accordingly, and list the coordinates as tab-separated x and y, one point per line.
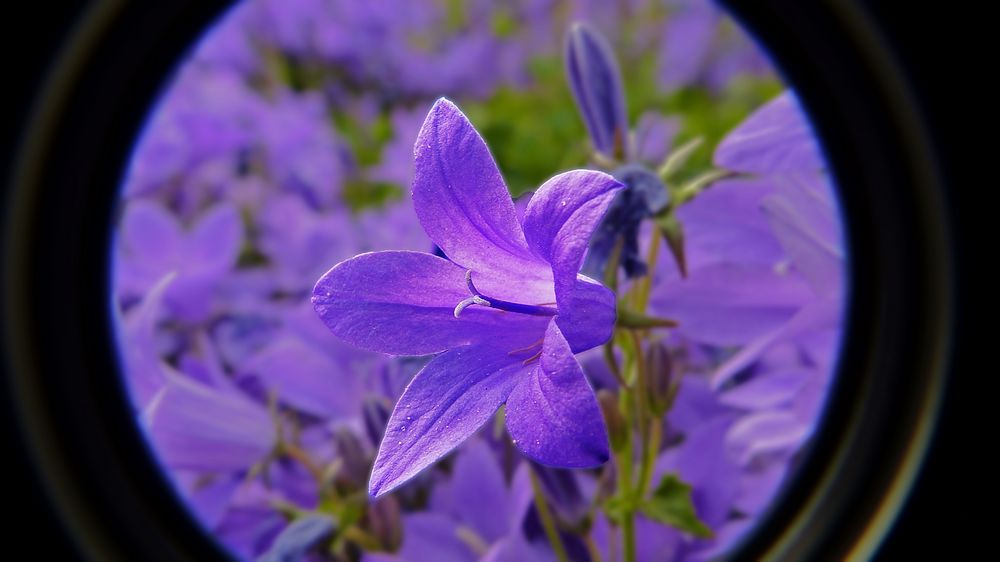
654	437
595	553
628	537
548	523
624	460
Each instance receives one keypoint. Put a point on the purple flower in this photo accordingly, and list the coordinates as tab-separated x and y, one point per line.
506	311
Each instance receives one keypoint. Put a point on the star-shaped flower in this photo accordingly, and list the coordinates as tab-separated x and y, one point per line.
506	310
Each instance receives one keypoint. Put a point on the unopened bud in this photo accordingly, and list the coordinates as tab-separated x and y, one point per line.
375	411
613	418
386	522
352	454
660	374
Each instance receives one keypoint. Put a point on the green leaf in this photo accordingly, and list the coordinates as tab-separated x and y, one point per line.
618	508
671	504
673	233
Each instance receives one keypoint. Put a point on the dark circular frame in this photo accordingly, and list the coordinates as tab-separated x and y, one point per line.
71	408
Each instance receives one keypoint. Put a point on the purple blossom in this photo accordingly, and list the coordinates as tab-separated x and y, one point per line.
154	243
508	309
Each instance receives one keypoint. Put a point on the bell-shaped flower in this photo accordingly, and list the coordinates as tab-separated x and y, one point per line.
507	310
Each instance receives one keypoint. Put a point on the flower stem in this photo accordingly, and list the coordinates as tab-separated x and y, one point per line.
548	523
595	553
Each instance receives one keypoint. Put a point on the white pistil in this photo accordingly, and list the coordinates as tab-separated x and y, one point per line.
474	299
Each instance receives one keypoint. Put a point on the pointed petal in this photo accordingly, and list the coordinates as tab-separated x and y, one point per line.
200	428
445	403
214	242
552	414
775	138
460	197
560	219
403	303
151	233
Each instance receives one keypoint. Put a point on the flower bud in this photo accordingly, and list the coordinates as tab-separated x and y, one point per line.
386	522
613	418
660	379
375	412
352	454
596	84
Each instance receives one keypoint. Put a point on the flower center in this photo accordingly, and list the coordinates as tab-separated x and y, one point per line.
483	300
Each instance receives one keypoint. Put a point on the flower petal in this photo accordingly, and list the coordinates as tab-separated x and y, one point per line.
445	403
560	219
775	138
589	319
552	414
460	197
214	242
403	303
201	428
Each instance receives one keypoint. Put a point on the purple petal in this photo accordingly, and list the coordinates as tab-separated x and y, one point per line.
817	315
151	233
552	414
214	242
768	432
138	339
461	199
806	226
432	536
730	304
766	391
725	223
479	495
775	138
596	84
307	379
200	428
451	398
560	218
589	319
403	303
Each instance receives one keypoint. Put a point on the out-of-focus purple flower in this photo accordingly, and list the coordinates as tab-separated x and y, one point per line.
696	48
510	295
153	243
298	239
209	114
303	154
596	84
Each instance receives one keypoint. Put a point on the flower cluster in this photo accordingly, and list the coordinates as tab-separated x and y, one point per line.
479	376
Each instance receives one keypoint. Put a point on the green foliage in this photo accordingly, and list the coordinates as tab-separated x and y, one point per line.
671	504
534	133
